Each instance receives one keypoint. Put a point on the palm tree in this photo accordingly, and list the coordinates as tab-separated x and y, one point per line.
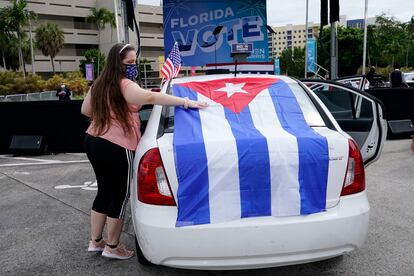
101	17
49	39
4	43
16	18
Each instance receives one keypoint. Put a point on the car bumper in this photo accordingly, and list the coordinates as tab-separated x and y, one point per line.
251	242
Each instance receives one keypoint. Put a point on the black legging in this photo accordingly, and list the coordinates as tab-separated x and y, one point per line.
112	165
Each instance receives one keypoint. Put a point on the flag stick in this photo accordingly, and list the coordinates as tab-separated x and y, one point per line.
364	54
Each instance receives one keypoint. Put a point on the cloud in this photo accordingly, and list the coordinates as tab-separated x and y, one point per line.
281	12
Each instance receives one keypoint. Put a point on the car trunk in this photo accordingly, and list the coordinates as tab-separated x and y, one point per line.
338	158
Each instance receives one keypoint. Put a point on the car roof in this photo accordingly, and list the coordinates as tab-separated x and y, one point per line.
225	76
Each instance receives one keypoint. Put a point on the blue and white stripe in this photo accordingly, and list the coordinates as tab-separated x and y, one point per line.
265	161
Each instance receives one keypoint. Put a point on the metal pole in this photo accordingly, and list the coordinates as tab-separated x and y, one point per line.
334	52
306	40
364	54
126	28
31	45
215	52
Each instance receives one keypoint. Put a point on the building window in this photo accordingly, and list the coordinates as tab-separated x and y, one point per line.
289	32
310	35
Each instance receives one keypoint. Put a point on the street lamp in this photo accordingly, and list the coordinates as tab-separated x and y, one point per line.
306	39
216	31
31	41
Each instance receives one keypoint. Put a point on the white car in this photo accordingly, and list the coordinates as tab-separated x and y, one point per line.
409	78
281	237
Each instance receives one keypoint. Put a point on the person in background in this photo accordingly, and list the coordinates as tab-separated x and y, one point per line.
112	103
397	77
63	92
370	76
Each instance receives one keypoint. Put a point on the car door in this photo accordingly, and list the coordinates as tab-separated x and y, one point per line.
144	114
357	113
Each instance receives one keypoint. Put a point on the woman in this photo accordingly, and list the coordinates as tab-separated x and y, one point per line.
112	103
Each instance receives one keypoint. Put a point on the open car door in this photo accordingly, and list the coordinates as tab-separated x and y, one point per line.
357	113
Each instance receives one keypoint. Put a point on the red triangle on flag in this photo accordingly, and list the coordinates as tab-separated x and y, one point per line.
233	93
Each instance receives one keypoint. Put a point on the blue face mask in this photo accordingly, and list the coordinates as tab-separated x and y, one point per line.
131	71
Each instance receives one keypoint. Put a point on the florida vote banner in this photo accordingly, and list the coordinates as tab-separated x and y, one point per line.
192	23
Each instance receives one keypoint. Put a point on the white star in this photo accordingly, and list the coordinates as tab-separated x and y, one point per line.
231	88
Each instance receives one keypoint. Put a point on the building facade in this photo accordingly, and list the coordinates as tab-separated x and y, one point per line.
80	36
289	36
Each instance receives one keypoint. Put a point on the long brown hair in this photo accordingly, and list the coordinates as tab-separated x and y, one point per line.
106	93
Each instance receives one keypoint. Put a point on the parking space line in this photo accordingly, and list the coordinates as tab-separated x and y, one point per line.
26	158
56	162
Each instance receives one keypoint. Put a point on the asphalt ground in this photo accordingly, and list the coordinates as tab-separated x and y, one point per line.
44	222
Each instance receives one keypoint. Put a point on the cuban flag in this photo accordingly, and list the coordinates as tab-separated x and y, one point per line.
250	153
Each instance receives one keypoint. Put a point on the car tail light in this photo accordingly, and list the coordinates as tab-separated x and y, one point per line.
153	186
355	174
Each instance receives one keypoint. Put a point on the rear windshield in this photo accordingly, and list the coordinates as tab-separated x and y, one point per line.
311	114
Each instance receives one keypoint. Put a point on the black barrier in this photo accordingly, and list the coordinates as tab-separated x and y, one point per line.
59	122
399	105
399	102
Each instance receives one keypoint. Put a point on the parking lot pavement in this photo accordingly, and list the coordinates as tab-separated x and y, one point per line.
44	222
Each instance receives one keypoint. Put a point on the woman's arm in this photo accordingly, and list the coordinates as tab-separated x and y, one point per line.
86	105
134	94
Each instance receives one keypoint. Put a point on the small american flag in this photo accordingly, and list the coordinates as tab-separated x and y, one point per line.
172	65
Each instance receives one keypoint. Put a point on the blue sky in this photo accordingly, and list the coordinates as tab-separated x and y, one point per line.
293	11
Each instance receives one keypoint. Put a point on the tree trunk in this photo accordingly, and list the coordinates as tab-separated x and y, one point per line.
406	58
4	60
53	64
21	55
24	65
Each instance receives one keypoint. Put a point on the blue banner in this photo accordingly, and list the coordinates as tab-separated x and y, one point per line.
311	53
277	66
192	23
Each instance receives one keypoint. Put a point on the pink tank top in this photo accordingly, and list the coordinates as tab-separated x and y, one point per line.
115	133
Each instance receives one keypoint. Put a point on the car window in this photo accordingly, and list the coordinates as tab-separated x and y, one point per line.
342	103
311	114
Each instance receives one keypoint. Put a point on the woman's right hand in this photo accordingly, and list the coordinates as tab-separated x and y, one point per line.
196	104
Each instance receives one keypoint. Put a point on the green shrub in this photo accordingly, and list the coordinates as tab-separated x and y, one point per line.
14	83
52	83
77	83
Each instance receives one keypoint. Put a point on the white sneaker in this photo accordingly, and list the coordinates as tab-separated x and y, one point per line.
96	246
119	252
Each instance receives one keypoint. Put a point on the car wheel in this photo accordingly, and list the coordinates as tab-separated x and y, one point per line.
140	256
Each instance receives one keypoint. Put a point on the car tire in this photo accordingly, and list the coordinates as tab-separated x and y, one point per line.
140	256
